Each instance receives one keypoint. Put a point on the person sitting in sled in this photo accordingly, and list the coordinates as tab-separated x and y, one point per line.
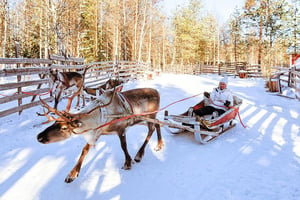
219	100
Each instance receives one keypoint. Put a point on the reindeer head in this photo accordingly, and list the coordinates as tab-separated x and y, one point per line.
62	128
53	75
66	123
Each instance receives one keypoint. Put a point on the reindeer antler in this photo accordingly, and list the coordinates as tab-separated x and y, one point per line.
62	116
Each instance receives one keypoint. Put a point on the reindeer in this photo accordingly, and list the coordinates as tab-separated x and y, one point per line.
66	80
102	117
109	84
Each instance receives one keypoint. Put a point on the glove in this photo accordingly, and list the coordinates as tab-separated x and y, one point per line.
206	94
227	103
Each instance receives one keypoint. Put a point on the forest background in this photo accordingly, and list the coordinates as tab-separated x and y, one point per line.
261	32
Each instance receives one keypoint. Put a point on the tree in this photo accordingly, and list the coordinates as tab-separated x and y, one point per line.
188	31
3	26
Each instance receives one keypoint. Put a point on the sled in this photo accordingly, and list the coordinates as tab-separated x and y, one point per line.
206	128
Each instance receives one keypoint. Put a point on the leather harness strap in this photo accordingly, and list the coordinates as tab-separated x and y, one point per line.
126	104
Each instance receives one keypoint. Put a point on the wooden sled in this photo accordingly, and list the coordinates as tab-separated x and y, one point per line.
206	128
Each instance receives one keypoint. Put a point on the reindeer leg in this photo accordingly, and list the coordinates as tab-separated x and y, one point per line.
160	142
141	151
128	160
75	171
57	97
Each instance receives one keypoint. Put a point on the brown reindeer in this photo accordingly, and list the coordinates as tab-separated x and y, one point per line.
66	80
109	84
107	108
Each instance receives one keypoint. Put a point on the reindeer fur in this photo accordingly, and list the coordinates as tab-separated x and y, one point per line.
87	121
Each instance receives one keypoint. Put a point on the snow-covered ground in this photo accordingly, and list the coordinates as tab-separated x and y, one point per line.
259	162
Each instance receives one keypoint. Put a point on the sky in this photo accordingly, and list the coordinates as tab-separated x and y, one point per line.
259	162
221	9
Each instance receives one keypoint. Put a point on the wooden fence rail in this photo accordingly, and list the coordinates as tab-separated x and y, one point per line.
285	78
227	68
22	89
24	78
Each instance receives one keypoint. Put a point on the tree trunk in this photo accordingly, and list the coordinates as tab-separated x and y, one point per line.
5	29
135	28
124	30
142	32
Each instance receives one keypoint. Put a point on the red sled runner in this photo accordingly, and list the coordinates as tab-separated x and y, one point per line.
206	128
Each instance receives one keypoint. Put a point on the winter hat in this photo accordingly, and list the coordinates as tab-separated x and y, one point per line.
224	80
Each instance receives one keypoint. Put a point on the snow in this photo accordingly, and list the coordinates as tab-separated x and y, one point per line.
259	162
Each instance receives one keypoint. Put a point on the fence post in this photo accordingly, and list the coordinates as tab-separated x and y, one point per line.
18	76
116	66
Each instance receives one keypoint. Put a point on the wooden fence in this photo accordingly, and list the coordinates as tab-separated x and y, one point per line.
285	78
241	69
23	79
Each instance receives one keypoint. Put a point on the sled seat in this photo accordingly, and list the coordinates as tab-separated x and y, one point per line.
208	127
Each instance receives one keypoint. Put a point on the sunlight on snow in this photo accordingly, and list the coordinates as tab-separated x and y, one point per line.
265	125
96	154
278	132
296	139
90	184
3	130
94	157
256	118
246	150
44	169
117	197
112	176
12	166
248	112
264	161
25	122
294	114
277	108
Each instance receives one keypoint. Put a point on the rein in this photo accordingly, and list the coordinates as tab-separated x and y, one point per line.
124	117
136	115
230	107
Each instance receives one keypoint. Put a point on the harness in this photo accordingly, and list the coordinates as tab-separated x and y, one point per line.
105	117
125	103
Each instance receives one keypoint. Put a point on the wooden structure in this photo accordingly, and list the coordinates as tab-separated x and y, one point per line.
241	69
24	79
287	77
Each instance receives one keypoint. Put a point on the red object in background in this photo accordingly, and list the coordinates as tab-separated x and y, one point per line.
294	58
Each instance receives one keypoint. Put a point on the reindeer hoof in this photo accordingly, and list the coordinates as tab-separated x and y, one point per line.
70	179
159	147
127	165
138	158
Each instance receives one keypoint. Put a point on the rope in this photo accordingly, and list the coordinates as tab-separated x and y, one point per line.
145	113
163	108
241	120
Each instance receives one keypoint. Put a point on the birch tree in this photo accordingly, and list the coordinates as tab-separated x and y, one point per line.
3	26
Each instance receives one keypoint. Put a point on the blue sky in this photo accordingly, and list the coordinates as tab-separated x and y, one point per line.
221	9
